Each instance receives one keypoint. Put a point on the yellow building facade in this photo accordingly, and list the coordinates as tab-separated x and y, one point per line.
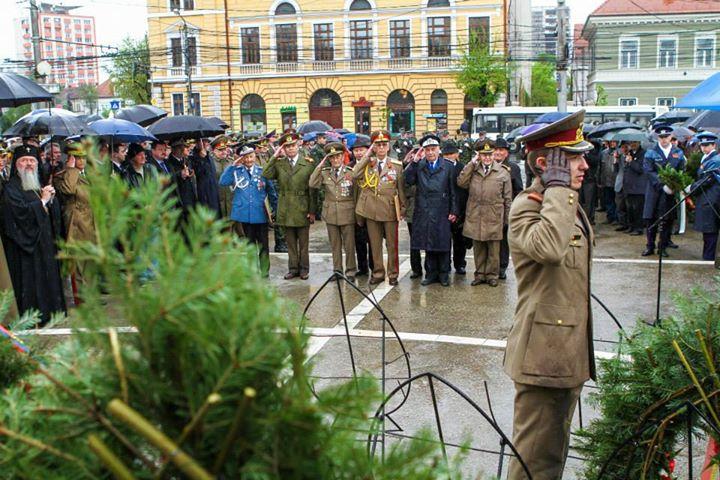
356	64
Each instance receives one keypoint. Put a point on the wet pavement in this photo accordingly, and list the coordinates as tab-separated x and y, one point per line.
458	333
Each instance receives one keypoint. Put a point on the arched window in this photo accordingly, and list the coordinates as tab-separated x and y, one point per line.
438	3
326	105
438	98
325	98
360	5
252	113
401	106
285	8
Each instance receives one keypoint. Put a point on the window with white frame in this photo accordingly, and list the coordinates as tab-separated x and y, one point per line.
250	45
665	101
399	38
178	104
438	36
360	39
323	37
627	102
196	105
629	50
178	51
667	52
705	51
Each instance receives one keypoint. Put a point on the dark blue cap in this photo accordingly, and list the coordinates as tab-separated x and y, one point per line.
706	137
663	129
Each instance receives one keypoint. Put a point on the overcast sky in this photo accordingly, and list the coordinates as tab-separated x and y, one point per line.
117	19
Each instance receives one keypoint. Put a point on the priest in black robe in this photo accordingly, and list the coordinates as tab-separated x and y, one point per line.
32	222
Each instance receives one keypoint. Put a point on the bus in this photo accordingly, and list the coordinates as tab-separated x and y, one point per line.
501	121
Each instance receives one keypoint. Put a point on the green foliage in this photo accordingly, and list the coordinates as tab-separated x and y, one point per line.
482	75
642	391
88	93
601	98
543	91
218	365
130	71
12	115
693	163
677	180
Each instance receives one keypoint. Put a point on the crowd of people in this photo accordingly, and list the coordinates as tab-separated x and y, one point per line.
454	194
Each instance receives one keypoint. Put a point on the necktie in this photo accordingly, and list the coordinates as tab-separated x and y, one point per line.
487	169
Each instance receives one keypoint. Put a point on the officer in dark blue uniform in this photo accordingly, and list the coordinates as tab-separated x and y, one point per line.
659	198
707	195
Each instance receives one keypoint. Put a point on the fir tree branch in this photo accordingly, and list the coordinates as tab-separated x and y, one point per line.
109	459
231	438
117	357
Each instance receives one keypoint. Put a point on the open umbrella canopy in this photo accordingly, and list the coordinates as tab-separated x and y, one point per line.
673	116
629	135
143	115
90	118
55	121
118	130
16	90
706	96
514	133
705	120
184	126
313	126
219	122
602	129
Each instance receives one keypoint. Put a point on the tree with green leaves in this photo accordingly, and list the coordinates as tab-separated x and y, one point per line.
482	76
601	98
88	94
11	115
130	71
544	87
213	381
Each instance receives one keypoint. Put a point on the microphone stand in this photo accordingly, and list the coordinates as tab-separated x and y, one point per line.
660	223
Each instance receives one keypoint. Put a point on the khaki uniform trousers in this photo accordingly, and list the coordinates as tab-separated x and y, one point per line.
541	430
298	241
487	259
376	231
342	237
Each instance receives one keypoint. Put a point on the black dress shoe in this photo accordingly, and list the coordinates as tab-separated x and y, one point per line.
502	275
445	282
493	282
460	271
622	228
663	253
361	273
478	281
647	252
393	281
428	281
375	281
290	275
673	245
635	233
416	275
304	276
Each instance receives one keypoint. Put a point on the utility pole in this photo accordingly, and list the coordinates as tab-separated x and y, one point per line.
35	37
562	57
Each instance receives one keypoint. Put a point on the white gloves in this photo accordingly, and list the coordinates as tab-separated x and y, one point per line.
667	190
688	188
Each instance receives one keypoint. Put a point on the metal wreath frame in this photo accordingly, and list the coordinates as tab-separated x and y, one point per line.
380	416
338	278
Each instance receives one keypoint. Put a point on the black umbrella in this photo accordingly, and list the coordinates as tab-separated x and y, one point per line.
184	126
143	115
514	133
705	120
16	90
673	116
611	127
90	118
54	121
219	122
313	126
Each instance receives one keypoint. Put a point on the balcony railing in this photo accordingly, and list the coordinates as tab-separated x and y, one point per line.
310	66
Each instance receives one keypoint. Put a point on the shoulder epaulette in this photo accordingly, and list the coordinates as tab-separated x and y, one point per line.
396	162
505	167
535	196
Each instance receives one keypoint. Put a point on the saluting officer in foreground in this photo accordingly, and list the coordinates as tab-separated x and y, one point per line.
338	209
381	203
549	351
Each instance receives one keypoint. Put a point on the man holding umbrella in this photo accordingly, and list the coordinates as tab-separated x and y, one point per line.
659	198
296	201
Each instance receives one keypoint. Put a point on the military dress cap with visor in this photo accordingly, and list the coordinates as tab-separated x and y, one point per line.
449	148
289	138
663	130
334	148
244	150
565	134
380	136
706	138
76	149
220	142
485	147
430	140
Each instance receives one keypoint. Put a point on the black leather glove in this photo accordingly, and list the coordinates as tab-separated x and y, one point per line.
557	170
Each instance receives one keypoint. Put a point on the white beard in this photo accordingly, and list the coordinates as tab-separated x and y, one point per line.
29	180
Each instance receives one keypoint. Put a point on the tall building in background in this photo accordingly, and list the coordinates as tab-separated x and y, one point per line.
356	64
67	42
544	29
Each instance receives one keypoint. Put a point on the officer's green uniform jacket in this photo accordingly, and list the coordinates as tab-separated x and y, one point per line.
295	197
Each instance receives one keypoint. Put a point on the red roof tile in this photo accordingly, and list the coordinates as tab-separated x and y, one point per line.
105	89
655	7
